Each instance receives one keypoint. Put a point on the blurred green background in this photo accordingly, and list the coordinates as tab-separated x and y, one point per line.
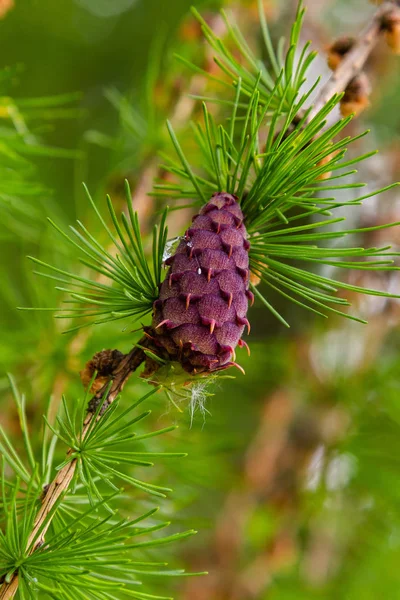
293	479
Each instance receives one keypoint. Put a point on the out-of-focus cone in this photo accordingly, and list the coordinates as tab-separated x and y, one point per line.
255	279
391	29
5	7
356	96
338	50
323	162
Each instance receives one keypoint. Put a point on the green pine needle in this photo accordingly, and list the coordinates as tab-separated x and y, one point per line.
110	443
90	555
89	552
133	283
281	165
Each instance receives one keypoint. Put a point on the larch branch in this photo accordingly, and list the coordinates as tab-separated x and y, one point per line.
354	60
57	488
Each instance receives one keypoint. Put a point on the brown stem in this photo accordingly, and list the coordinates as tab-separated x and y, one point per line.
128	364
354	60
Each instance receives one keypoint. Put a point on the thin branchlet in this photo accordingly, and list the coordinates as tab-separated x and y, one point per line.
354	60
57	488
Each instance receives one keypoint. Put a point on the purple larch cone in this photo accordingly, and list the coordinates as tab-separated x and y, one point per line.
200	315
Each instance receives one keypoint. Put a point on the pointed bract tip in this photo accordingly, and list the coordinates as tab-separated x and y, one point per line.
243	344
234	364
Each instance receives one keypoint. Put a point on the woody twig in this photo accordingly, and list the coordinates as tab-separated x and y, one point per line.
114	384
352	64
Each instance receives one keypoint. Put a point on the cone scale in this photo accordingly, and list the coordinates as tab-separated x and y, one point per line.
201	313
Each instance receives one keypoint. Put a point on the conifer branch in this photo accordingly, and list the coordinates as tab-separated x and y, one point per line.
269	181
354	60
54	491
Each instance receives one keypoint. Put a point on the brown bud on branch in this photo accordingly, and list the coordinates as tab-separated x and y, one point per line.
391	28
354	60
356	96
338	50
103	364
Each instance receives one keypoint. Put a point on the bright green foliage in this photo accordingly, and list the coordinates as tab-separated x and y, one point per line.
21	194
109	442
246	145
278	82
89	551
277	188
282	171
90	556
135	282
275	168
